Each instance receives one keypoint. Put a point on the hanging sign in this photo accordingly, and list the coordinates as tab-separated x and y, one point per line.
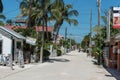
31	41
116	17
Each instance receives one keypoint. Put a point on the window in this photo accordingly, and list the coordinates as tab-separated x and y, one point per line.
18	45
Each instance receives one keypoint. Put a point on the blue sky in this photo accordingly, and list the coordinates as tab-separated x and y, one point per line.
11	10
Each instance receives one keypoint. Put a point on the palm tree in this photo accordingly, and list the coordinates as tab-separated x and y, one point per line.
41	11
61	13
40	15
36	13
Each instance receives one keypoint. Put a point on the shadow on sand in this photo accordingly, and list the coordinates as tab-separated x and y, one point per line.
58	60
113	73
94	62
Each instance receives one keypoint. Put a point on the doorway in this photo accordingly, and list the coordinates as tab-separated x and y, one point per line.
0	46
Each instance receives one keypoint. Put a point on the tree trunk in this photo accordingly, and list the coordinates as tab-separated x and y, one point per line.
29	16
41	50
57	35
46	27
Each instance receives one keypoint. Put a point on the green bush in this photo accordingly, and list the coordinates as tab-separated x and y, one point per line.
59	52
46	54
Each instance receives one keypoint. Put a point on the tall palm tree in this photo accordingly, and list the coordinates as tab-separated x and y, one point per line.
61	13
41	11
36	13
40	15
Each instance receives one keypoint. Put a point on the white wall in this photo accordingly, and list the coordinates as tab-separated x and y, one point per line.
7	45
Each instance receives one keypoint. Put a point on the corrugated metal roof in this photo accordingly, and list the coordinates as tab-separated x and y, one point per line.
11	32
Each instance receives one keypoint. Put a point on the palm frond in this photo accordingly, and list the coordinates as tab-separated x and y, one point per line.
56	14
23	4
73	12
72	21
69	6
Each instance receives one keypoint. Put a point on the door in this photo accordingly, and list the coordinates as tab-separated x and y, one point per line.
0	46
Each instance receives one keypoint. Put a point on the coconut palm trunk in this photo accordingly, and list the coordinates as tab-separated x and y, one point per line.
46	27
42	39
42	42
57	32
30	13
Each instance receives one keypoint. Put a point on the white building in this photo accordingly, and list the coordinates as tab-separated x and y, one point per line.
10	41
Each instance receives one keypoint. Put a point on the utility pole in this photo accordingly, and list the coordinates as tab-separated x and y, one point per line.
98	4
90	43
99	33
108	25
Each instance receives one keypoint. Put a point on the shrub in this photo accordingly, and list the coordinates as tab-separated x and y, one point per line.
59	52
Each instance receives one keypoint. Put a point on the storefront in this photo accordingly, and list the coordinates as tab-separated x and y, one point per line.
114	54
10	43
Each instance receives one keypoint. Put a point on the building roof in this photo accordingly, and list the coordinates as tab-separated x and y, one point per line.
8	32
38	28
15	27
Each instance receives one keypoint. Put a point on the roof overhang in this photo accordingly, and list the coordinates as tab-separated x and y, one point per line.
10	33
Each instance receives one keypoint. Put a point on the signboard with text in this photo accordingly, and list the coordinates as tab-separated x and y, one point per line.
31	41
116	17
